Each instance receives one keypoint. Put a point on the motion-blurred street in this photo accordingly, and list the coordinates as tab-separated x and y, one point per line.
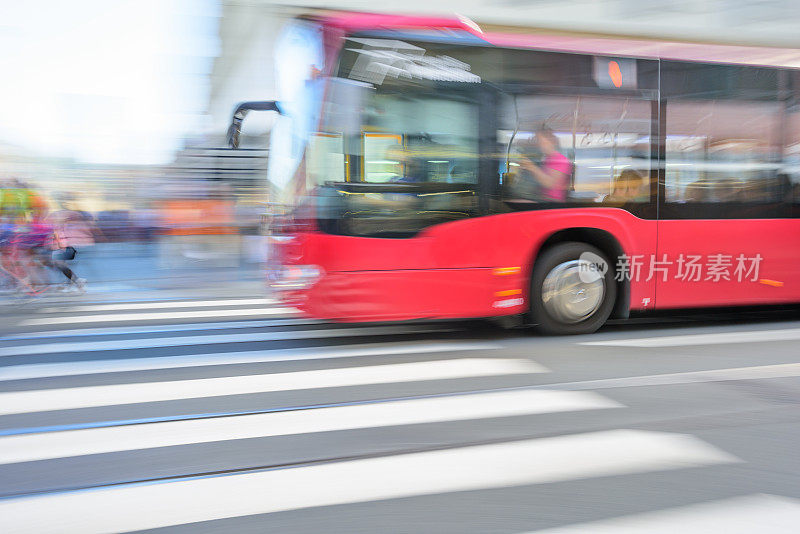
265	421
191	192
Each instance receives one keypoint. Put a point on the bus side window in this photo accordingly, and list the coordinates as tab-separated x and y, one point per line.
601	137
724	128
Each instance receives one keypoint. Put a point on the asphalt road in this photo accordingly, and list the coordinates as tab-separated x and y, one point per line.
232	415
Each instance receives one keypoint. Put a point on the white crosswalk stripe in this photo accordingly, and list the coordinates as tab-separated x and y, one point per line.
160	305
116	394
156	316
737	515
786	334
139	311
90	367
30	447
136	507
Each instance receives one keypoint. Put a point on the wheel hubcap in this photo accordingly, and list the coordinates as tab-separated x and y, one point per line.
569	297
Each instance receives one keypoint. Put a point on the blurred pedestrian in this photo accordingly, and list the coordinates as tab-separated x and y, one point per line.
72	230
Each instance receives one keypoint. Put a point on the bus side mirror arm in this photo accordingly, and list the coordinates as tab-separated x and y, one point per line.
241	111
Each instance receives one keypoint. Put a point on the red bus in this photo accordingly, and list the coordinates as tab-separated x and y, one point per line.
435	171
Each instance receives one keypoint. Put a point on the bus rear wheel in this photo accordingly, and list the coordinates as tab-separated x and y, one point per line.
572	289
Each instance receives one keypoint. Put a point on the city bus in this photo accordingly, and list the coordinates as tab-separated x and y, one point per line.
431	170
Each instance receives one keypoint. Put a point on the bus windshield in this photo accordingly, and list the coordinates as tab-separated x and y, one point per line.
397	149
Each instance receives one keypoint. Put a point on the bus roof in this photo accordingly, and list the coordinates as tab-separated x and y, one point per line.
640	48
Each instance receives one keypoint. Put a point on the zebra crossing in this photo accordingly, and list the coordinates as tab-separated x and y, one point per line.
239	425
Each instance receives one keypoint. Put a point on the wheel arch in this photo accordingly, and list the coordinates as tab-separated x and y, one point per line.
601	239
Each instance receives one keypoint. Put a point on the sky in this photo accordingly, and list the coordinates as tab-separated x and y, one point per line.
105	81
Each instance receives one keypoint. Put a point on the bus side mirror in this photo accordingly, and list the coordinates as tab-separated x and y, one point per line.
241	111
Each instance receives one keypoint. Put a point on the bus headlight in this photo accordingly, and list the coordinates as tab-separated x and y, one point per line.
295	277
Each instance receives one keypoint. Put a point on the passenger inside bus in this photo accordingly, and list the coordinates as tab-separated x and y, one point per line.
411	163
547	182
629	186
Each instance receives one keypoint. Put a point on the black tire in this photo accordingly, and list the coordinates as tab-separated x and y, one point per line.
547	323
